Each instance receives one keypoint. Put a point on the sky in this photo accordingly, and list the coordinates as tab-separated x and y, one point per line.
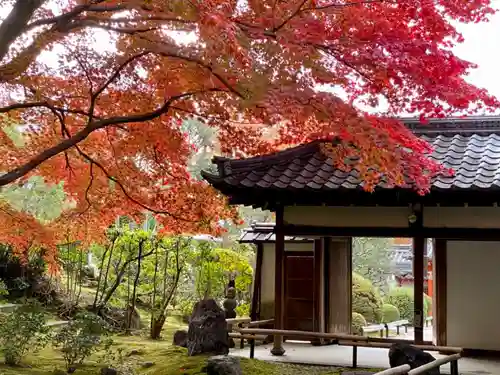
482	46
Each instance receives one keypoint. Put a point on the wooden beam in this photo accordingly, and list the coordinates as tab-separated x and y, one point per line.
476	234
257	287
440	288
279	300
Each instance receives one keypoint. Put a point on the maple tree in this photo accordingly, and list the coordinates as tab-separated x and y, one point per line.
104	113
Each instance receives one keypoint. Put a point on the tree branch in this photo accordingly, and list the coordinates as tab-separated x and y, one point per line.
14	25
110	80
44	104
50	152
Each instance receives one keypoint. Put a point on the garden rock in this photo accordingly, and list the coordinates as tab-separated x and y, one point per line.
134	352
147	364
401	354
180	338
109	371
118	317
223	365
207	331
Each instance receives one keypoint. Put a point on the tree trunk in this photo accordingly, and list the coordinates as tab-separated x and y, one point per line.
119	278
157	326
136	281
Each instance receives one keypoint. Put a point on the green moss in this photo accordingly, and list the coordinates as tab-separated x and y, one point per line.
366	299
168	360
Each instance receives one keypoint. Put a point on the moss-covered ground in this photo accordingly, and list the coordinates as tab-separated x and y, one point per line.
166	359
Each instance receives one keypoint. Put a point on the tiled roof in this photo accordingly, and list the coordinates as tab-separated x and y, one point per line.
470	146
402	259
264	232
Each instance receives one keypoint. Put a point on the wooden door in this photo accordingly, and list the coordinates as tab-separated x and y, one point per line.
299	291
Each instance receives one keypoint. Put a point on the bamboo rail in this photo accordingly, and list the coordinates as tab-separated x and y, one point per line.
235	332
238	320
364	341
349	339
452	359
405	369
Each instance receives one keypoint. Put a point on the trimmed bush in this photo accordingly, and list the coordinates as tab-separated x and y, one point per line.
366	299
390	313
402	298
357	324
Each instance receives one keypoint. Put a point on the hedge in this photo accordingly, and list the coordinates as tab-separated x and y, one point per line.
357	324
366	299
390	313
402	298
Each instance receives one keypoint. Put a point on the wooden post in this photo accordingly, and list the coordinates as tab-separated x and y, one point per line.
279	319
319	322
340	285
415	222
440	291
419	245
257	284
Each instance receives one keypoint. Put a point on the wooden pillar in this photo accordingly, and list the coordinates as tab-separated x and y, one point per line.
440	280
340	285
415	222
419	245
257	284
279	304
325	243
319	322
318	279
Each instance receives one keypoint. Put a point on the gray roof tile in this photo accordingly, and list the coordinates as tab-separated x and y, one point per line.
473	153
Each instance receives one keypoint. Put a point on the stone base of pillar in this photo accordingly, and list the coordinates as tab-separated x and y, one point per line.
278	351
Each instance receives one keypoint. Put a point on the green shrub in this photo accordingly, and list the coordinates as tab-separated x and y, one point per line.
357	324
23	331
390	313
81	337
366	299
243	309
186	307
402	298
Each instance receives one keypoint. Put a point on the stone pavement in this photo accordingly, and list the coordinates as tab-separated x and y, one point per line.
333	355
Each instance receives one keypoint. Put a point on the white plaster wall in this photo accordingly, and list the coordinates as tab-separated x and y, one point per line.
473	294
461	217
268	271
347	216
396	217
